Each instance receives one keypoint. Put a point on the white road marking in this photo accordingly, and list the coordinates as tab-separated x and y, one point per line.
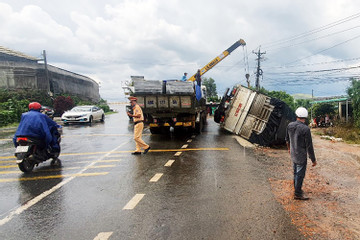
185	146
103	236
189	141
193	136
177	154
134	201
156	177
169	163
38	198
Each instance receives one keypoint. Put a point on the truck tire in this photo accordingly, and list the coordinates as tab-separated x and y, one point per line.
199	126
155	130
165	130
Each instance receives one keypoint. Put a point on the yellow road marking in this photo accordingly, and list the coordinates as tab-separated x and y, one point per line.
57	169
15	166
9	166
8	161
101	135
52	177
128	151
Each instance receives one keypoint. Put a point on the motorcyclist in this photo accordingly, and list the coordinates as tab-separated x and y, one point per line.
36	125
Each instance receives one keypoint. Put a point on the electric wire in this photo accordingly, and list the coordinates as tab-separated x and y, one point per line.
316	30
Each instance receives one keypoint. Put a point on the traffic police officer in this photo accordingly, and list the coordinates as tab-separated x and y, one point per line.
138	119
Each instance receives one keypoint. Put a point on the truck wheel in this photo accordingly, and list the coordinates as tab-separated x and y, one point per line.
155	130
199	126
165	130
178	130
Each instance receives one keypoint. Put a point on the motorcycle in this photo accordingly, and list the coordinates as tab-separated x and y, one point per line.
30	152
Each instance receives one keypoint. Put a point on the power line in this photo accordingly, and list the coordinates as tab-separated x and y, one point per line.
313	39
316	30
336	45
322	70
312	64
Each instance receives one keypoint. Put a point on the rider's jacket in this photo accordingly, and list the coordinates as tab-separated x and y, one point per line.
37	125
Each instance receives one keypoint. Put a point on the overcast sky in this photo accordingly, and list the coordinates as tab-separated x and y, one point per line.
310	45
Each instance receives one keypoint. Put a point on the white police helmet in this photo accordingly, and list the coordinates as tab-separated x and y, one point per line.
301	112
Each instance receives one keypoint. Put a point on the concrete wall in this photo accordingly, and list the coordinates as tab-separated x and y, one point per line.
32	75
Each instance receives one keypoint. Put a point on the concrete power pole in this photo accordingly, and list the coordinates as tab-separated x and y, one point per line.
259	71
50	90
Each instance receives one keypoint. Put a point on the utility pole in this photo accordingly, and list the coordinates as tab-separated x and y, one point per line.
50	90
312	99
259	71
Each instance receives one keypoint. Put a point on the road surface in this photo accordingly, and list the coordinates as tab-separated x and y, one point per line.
187	187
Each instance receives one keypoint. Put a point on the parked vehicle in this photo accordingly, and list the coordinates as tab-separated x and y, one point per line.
254	116
48	111
83	114
30	152
168	104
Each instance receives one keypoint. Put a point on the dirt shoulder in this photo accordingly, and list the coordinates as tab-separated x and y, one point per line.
333	212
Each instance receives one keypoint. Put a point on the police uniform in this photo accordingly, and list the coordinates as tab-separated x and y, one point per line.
138	128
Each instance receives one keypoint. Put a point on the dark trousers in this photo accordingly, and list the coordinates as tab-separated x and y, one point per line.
299	175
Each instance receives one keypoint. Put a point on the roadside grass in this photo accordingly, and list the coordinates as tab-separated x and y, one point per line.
348	133
110	112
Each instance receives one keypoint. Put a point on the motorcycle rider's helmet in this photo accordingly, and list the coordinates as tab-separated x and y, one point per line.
35	106
301	112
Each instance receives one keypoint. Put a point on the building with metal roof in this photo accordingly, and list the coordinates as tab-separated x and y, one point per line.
19	71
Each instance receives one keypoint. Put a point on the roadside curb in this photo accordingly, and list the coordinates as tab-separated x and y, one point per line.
244	143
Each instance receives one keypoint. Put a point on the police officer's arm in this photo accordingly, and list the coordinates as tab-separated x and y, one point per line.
136	114
310	147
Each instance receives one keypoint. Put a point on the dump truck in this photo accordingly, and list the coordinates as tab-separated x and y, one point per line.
171	103
255	117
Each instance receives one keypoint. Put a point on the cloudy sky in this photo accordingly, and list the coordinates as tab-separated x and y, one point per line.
309	44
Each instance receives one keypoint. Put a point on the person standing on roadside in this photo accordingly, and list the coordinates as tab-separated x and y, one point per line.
138	119
300	146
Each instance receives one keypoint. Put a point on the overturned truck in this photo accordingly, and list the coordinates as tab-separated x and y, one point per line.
256	117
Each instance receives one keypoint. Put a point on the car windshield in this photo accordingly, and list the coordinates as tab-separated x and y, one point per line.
81	109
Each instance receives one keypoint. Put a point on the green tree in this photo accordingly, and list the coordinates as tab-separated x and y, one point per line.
302	103
321	109
354	93
283	96
210	85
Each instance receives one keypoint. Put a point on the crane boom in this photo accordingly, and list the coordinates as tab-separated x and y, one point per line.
218	59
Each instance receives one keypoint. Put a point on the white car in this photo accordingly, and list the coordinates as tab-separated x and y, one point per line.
83	114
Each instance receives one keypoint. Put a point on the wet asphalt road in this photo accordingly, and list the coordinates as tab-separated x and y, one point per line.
213	189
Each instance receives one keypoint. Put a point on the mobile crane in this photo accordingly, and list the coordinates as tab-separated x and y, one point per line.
174	104
219	58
